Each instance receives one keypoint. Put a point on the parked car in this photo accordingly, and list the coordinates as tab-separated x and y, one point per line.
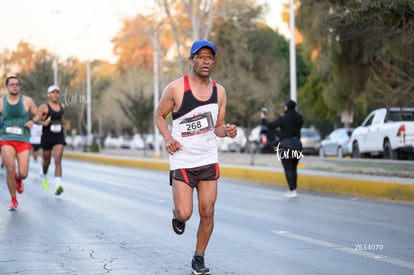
75	142
137	142
385	132
149	140
125	141
337	143
112	142
237	144
262	140
311	141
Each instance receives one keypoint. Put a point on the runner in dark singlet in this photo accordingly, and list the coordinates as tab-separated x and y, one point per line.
53	137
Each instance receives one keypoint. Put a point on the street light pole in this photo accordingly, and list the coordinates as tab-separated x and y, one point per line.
292	51
155	77
88	81
88	92
55	70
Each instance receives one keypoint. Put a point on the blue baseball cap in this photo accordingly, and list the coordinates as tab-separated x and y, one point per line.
199	44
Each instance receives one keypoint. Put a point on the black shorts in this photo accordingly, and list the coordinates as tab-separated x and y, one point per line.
36	147
48	142
192	176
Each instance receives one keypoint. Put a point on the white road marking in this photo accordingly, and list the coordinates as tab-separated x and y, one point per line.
346	249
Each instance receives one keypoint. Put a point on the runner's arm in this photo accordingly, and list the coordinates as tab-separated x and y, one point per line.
165	107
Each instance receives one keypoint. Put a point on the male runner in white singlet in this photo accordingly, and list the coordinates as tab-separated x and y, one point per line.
198	107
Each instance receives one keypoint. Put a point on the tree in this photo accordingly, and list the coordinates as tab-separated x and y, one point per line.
244	68
133	44
252	59
363	54
253	62
22	61
134	103
102	75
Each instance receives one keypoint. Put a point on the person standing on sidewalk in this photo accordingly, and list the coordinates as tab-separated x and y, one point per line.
198	105
15	144
289	150
53	137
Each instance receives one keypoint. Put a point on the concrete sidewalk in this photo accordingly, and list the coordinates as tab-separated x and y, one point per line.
264	169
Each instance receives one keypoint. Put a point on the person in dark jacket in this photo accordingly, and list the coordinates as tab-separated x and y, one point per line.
289	149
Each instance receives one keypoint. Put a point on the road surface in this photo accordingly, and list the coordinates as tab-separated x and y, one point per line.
115	220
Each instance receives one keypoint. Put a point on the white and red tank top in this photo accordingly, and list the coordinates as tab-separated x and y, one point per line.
193	126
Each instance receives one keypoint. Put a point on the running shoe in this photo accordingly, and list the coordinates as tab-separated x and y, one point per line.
291	194
178	226
13	204
59	190
19	184
45	185
198	267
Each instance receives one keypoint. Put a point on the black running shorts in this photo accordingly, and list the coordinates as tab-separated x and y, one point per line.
48	141
36	147
192	176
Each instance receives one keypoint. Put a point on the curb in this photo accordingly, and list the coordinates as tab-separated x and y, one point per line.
394	189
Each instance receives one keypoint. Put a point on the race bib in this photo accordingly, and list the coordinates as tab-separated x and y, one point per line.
196	125
15	130
56	127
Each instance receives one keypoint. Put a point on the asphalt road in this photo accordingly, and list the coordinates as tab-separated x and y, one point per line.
114	220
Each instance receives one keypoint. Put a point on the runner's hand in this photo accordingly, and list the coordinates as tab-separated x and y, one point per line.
172	146
231	130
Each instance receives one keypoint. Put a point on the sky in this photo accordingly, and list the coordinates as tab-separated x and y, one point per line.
61	26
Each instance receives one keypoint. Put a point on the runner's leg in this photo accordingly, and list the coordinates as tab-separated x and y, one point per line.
207	195
57	156
9	160
182	199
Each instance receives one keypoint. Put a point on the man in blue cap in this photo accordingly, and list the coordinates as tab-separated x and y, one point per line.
198	105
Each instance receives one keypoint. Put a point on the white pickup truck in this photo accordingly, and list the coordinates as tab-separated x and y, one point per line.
386	132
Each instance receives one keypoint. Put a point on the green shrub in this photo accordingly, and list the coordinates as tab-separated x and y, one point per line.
94	147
